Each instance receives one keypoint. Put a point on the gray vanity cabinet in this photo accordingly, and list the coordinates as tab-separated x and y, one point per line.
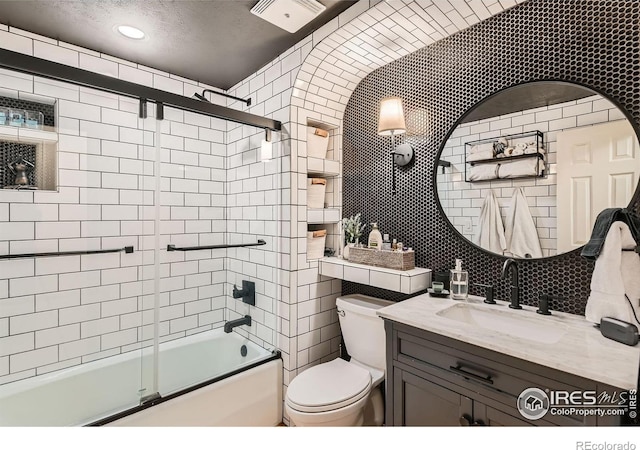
433	380
447	406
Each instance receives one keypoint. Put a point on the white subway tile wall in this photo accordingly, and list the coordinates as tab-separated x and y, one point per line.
61	311
322	71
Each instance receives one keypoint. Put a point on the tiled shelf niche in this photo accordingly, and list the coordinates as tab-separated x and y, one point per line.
405	281
329	217
37	145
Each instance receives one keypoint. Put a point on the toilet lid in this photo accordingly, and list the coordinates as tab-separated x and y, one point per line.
328	386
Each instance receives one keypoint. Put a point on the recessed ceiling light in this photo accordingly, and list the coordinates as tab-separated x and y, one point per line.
130	32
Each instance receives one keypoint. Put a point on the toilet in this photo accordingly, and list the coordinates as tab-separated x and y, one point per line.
340	393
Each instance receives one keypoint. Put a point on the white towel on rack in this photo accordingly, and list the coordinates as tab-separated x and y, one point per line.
479	148
520	168
615	273
490	233
483	172
532	149
477	156
520	230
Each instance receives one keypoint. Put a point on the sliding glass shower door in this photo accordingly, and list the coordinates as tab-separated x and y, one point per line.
75	252
123	253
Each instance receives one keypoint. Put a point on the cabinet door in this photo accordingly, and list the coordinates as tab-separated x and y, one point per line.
486	415
418	402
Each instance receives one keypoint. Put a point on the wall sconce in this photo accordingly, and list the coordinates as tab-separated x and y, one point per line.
391	123
266	147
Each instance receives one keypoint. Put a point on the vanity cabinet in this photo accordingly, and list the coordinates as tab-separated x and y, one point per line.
433	380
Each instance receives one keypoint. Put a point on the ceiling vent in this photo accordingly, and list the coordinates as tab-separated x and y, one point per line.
290	15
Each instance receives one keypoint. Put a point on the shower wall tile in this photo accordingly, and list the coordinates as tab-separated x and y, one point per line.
35	358
79	309
57	300
57	335
16	344
4	327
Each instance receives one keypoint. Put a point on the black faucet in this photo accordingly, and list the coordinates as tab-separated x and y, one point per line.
515	290
231	324
543	303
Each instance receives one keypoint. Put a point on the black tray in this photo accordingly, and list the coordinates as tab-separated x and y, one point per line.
443	293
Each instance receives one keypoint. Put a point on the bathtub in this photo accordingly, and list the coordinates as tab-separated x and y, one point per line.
203	380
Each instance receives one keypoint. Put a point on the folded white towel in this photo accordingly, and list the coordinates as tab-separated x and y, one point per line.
478	148
490	233
514	151
488	154
614	275
483	172
520	168
532	149
520	230
520	146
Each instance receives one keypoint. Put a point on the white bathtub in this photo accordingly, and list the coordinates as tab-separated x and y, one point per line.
87	393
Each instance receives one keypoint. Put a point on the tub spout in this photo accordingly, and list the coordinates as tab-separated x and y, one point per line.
231	324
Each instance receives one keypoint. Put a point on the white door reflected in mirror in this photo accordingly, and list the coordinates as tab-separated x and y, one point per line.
597	169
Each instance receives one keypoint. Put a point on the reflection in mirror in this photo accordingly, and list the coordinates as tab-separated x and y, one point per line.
532	166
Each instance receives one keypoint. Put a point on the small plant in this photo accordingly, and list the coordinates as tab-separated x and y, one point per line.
353	228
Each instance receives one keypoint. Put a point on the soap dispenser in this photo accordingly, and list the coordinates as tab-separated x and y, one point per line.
375	238
459	282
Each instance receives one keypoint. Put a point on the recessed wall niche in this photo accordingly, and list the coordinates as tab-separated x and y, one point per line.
28	144
593	43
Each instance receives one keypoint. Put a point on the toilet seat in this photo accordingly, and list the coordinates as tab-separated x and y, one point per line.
328	386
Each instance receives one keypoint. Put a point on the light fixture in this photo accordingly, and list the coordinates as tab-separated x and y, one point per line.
266	147
130	32
391	123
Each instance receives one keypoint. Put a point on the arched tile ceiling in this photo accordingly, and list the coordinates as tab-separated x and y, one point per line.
387	31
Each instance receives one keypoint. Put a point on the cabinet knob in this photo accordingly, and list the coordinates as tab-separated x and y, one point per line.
479	423
465	420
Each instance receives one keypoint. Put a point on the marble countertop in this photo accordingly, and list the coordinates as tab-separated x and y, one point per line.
561	341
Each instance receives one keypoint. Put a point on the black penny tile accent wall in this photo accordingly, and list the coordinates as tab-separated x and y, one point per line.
590	42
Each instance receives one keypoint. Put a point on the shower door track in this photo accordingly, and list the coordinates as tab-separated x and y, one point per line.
156	398
60	72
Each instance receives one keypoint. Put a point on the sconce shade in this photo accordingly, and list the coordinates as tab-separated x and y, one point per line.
391	117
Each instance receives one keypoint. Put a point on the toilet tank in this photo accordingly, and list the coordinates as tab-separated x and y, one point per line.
362	329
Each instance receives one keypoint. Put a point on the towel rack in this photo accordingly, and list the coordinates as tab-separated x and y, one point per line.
128	249
173	248
540	162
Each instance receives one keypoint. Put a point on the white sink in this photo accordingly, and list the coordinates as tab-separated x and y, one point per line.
515	323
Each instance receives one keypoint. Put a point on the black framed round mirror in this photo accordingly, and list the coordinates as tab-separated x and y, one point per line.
525	172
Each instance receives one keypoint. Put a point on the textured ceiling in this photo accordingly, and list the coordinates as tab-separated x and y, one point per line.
217	42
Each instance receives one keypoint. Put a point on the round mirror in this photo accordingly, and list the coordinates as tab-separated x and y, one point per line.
525	173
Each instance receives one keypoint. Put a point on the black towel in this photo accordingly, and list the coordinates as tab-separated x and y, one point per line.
592	249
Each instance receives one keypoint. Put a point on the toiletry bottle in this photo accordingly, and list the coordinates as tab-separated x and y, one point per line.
394	245
375	238
386	243
459	282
